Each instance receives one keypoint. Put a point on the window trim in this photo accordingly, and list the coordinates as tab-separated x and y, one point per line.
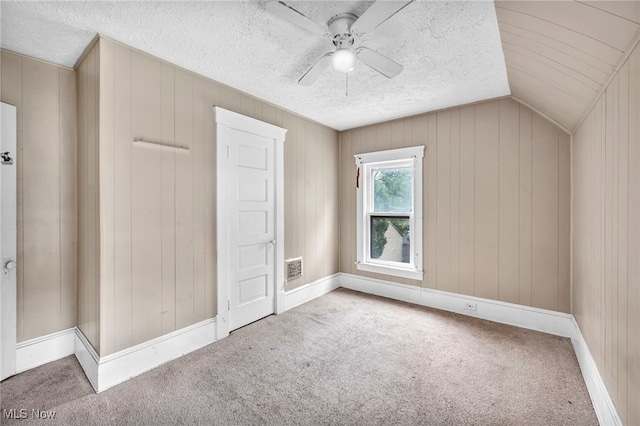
364	162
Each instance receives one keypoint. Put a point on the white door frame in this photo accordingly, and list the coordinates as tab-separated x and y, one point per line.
226	120
8	241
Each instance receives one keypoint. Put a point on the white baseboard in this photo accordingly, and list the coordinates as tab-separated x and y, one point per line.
551	322
88	358
113	369
108	371
602	403
42	350
305	293
543	320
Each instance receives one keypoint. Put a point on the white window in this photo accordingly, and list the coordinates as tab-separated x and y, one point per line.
389	206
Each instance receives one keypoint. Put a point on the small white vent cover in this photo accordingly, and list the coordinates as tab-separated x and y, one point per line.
294	268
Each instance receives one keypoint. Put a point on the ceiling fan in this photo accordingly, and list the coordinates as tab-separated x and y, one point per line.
343	29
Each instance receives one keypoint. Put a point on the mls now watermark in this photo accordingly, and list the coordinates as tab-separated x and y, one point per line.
23	413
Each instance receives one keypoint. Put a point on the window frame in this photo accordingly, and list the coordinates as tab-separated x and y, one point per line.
396	158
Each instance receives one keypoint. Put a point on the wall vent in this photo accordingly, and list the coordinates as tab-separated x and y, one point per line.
294	268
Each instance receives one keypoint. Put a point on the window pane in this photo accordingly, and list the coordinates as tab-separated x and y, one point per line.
390	239
392	190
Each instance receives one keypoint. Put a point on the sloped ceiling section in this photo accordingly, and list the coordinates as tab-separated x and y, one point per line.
559	55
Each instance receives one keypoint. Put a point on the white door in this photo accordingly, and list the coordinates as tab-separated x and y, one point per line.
250	219
8	241
251	227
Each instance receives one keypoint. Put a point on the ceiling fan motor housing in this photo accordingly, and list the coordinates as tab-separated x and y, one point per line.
340	28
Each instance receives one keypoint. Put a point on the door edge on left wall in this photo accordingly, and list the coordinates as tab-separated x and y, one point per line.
8	240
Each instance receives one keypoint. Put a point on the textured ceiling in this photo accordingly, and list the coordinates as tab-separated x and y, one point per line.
450	50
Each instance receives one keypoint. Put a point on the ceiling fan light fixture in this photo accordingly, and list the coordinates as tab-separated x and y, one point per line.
343	60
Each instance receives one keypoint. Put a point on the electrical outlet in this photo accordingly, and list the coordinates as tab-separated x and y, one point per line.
470	306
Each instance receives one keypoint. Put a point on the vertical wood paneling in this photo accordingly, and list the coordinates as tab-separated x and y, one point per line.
41	214
68	200
184	225
467	200
288	121
199	197
88	199
544	197
524	251
633	286
210	295
106	194
168	209
230	99
509	201
455	202
347	181
146	199
443	202
123	208
431	184
606	221
486	200
45	98
310	202
623	238
478	182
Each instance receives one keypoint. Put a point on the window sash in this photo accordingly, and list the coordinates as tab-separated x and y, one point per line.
369	236
368	207
412	158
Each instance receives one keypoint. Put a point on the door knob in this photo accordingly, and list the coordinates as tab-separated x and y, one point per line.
10	264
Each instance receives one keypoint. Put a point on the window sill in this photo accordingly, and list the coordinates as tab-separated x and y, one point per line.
388	270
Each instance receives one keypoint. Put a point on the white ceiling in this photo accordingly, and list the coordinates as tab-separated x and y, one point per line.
451	50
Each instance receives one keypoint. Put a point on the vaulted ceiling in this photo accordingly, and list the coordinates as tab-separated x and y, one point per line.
555	56
560	54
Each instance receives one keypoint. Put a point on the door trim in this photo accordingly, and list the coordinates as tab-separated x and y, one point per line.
8	243
226	120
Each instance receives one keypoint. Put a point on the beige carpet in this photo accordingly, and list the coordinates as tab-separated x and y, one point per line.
344	358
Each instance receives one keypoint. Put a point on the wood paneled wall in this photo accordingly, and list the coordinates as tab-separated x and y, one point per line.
311	197
45	97
157	256
606	236
87	78
496	201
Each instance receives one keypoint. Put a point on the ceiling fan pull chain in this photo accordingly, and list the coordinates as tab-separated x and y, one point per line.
346	84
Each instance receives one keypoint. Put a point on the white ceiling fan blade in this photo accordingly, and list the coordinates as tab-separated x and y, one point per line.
378	62
377	13
312	75
290	14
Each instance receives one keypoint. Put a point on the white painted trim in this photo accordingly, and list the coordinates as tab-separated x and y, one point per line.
226	120
280	274
8	243
108	371
543	320
248	124
600	398
551	322
42	350
87	357
111	370
308	292
413	156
